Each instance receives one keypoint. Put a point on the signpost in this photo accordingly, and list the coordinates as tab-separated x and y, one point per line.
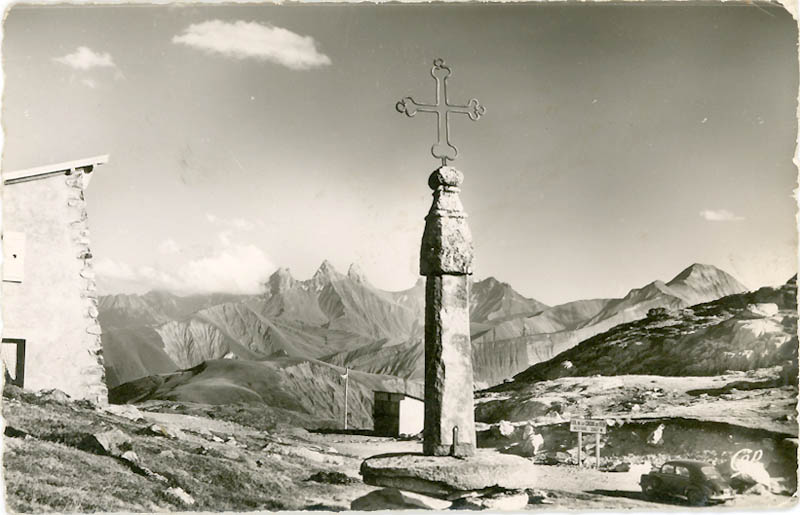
582	425
346	377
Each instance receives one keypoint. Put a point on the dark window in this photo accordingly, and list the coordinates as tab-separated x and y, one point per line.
13	355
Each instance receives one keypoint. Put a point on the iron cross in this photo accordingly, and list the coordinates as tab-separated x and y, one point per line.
442	149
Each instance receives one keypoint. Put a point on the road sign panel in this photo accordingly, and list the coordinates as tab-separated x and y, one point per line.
588	426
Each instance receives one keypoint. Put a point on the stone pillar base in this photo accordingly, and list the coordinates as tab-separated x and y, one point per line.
461	450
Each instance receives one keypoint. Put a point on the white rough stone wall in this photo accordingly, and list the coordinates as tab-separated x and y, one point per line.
54	308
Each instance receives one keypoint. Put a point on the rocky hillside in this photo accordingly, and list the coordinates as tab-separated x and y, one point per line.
153	308
308	389
66	456
745	331
508	347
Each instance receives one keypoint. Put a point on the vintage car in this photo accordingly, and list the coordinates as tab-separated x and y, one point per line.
697	481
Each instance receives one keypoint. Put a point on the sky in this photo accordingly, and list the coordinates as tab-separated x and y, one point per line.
620	144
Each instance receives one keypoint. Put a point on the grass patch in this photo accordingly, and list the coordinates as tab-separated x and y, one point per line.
47	472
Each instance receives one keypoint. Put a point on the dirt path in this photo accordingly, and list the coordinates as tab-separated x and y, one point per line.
571	487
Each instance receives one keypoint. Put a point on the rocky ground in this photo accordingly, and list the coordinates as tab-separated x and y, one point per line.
62	455
757	399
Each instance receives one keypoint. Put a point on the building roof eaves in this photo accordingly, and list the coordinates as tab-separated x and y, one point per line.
41	172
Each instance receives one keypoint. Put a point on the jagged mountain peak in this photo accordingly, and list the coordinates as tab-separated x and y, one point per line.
698	271
326	268
703	283
280	281
490	282
324	275
491	298
356	274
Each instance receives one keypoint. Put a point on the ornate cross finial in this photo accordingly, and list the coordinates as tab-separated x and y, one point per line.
442	149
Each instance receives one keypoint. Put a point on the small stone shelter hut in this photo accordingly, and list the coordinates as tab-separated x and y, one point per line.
49	304
396	414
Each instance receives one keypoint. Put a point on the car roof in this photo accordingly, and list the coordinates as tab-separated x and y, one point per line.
689	463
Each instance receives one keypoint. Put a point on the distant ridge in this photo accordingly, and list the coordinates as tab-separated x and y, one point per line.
743	331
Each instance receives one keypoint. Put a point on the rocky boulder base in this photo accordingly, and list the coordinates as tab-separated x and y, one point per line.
484	481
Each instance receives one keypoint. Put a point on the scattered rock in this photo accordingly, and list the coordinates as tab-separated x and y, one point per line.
111	443
130	456
303	452
505	501
657	436
332	478
166	431
621	467
235	443
757	489
781	486
394	499
166	453
13	432
531	442
749	473
181	495
128	411
556	458
536	496
504	429
762	310
53	395
219	437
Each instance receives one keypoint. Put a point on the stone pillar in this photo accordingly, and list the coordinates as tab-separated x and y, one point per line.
446	262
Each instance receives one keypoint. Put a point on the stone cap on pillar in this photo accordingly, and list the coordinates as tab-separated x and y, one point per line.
447	242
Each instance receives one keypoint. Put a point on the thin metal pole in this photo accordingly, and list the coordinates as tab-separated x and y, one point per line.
597	448
346	384
580	448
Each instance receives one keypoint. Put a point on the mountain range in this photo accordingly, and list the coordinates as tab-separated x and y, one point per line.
744	331
343	320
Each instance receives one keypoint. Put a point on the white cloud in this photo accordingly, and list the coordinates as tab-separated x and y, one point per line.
720	215
237	268
84	58
224	238
90	83
114	270
212	218
169	246
242	40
